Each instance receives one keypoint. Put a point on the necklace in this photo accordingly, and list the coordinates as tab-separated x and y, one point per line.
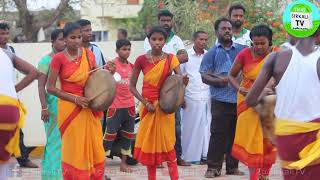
153	58
72	57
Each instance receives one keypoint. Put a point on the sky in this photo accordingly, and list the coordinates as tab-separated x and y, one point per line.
43	4
38	4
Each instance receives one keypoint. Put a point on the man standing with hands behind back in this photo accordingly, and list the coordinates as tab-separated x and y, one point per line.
196	115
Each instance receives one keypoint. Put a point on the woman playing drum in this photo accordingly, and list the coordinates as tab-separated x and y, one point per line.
156	135
83	155
250	146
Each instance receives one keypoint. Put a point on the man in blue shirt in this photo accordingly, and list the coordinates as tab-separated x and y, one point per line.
86	31
214	70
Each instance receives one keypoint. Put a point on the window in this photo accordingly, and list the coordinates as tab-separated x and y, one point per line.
98	36
133	2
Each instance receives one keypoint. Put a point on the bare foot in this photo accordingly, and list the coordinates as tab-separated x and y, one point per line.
124	168
212	173
160	166
181	162
29	164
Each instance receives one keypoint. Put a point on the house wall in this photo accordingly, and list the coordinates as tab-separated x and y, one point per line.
104	13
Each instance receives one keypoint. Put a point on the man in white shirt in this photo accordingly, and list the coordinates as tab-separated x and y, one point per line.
173	42
240	34
12	111
174	45
23	160
196	115
292	41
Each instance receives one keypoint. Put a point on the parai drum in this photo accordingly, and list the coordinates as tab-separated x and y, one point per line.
172	94
100	89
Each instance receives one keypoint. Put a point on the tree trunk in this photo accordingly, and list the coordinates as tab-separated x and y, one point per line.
3	11
27	24
30	27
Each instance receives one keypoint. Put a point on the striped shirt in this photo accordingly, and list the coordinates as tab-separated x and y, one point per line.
219	61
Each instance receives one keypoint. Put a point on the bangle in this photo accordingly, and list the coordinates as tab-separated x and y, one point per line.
144	101
75	100
147	104
44	109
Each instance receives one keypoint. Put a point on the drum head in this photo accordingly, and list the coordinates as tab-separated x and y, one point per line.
100	90
172	94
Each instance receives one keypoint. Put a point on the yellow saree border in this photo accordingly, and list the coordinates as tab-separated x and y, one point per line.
310	154
81	75
13	146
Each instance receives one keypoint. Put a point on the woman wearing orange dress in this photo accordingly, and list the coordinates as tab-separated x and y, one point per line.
250	147
156	135
83	155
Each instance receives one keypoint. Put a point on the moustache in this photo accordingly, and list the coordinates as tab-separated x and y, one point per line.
237	22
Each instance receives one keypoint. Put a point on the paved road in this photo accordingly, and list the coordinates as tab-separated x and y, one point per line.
194	172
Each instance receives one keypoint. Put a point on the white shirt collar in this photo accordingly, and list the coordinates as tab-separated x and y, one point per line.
193	52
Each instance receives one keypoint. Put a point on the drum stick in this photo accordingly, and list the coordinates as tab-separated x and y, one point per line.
101	67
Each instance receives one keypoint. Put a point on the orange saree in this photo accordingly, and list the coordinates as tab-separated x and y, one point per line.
83	155
250	147
156	135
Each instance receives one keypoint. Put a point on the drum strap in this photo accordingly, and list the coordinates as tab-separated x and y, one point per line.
90	65
169	63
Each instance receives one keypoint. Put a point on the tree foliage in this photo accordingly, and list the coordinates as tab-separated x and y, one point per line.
137	27
4	6
193	15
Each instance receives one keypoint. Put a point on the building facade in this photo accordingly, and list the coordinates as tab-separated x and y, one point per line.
104	15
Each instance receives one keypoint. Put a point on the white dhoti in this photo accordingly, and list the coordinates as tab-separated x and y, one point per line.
195	125
4	171
196	117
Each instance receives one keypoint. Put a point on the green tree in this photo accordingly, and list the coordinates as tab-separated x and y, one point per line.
189	18
193	15
137	27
